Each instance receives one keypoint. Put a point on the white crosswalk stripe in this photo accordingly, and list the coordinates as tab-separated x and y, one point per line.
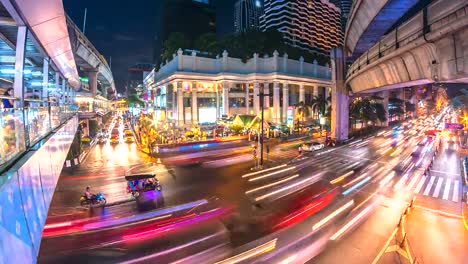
455	191
429	186
420	184
447	189
412	182
437	189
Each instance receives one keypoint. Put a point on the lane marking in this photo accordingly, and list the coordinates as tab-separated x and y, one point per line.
447	189
455	191
429	186
420	184
437	189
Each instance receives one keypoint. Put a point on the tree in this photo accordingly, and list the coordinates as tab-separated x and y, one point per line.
175	41
302	110
395	107
319	104
133	101
206	42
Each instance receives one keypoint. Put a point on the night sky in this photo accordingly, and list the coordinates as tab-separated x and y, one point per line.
125	30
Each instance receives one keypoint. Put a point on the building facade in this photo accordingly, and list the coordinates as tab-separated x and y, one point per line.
345	8
312	25
247	15
195	90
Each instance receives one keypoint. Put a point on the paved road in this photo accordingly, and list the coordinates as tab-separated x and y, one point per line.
367	168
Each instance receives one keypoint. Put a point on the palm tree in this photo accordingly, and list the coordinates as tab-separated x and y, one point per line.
319	105
302	110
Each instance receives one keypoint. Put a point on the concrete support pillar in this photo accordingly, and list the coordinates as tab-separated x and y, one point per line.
285	101
340	99
385	95
315	90
19	65
180	105
226	98
45	79
194	103
401	96
301	93
92	77
276	102
266	91
247	95
174	102
256	98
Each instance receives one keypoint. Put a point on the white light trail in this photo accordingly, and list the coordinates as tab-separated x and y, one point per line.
258	172
272	184
271	174
332	215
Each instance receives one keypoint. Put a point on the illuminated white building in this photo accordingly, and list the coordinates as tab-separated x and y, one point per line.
191	89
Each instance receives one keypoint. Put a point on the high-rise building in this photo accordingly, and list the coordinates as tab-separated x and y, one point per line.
135	77
345	7
247	15
313	25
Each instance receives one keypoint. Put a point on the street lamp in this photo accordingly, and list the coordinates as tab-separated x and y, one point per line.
260	137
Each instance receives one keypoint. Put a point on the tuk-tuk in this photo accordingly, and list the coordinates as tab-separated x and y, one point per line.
137	183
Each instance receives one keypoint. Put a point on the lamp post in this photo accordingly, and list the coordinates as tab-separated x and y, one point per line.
260	136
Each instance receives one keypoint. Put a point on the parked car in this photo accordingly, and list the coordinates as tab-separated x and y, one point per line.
312	146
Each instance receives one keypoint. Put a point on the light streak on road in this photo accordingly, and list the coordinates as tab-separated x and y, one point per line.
352	222
387	179
262	171
355	187
257	251
57	225
362	176
332	215
271	174
285	188
272	184
342	177
168	251
289	259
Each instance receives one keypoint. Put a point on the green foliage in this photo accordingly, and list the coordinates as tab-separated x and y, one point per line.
236	129
240	45
133	101
319	104
175	41
76	147
367	109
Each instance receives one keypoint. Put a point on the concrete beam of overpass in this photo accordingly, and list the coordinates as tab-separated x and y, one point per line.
369	20
412	57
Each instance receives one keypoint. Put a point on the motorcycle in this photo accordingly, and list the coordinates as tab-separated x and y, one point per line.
97	199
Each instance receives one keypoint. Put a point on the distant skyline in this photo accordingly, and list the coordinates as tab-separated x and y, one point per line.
126	31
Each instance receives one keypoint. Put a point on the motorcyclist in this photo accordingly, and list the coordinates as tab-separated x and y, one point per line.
89	195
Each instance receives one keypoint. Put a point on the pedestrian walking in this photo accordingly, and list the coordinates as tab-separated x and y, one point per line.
300	150
267	150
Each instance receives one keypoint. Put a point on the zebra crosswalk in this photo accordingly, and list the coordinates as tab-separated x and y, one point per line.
431	186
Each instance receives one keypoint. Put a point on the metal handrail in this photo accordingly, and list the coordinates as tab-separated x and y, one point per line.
8	97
